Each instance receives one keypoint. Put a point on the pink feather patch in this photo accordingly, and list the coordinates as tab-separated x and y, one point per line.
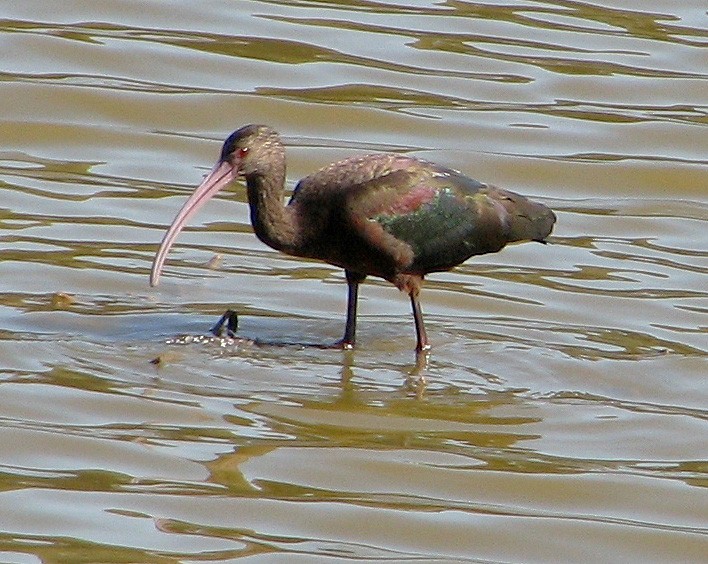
411	201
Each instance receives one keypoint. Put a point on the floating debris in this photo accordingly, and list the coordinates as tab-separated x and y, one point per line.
215	262
166	358
62	300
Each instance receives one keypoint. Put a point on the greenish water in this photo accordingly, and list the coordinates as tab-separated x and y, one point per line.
564	413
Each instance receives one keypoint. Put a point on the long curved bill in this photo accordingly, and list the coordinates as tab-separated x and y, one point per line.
220	176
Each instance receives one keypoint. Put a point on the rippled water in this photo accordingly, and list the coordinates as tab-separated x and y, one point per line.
563	416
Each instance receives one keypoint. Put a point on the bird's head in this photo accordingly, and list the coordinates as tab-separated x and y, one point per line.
247	151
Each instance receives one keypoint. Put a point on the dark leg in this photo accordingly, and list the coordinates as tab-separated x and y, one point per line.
422	339
353	281
227	325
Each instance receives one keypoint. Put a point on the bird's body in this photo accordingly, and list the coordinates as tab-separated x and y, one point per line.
393	215
385	215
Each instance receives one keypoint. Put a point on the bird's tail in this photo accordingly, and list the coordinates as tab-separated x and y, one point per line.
528	220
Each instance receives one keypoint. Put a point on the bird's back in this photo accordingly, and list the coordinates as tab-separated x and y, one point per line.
348	174
385	214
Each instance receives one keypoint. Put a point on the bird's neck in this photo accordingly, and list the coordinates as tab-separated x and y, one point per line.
273	222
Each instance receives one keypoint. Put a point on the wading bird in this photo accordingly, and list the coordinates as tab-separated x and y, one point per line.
385	215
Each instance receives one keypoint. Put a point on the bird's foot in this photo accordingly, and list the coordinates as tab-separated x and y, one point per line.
342	344
227	325
422	358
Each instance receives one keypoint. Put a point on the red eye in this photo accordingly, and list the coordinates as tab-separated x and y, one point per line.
242	152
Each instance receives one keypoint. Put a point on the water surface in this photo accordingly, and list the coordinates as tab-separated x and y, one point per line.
563	416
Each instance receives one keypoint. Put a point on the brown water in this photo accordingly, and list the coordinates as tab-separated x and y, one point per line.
564	416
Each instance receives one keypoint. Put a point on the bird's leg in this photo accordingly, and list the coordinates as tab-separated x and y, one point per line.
422	338
229	322
353	281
